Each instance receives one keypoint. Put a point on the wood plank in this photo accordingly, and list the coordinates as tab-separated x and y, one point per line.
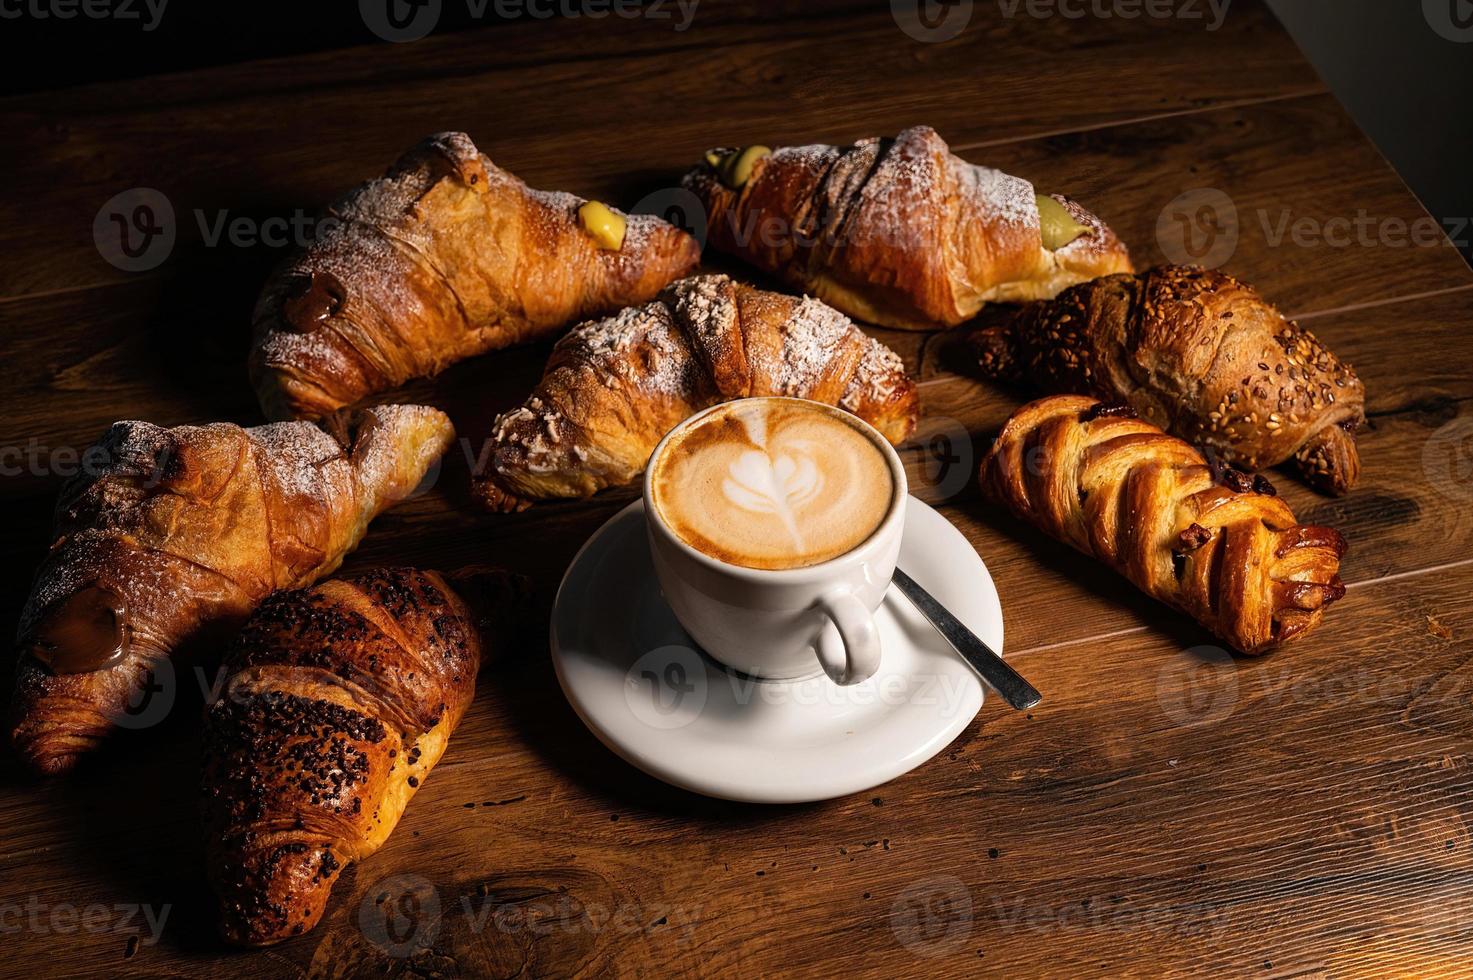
1400	519
264	150
1161	807
1163	812
171	350
113	338
1317	230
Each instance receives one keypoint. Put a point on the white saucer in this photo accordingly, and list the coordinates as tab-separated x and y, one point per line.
637	680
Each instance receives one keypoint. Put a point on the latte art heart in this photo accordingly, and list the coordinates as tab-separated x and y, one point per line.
773	483
759	483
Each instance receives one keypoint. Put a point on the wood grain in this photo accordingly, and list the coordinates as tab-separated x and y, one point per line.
1166	811
1193	812
617	126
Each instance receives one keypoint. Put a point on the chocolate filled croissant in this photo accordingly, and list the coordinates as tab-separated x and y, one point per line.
1200	354
900	231
444	257
1212	542
339	700
173	542
614	387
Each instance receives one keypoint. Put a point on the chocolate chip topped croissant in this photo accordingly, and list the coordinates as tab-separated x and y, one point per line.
1200	354
614	387
1211	541
445	256
900	232
339	701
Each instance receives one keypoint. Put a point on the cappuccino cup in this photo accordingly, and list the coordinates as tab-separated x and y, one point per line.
774	527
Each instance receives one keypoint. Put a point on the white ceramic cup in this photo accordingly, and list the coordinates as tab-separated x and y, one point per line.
788	623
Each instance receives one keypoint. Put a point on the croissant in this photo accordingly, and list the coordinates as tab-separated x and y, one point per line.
614	387
1211	541
1200	354
444	257
175	538
339	701
900	231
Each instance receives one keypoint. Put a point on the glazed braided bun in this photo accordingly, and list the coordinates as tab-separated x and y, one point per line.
1210	541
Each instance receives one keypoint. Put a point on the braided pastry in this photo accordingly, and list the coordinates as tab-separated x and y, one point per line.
901	231
444	257
614	387
1200	354
1215	543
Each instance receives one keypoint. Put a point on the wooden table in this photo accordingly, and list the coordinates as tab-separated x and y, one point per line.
1166	809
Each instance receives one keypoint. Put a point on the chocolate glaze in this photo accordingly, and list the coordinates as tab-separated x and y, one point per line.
1105	410
86	631
312	298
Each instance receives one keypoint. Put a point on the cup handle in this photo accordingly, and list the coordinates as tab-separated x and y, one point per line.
858	636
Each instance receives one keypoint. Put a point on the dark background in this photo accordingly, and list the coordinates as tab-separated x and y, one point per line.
1408	86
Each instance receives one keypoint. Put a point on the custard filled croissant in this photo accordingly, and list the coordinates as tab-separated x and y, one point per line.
1200	354
339	700
444	257
900	231
174	542
1212	542
614	387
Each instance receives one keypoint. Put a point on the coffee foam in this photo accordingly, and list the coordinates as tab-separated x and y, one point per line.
772	484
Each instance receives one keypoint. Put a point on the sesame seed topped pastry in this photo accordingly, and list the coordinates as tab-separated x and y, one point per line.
1199	354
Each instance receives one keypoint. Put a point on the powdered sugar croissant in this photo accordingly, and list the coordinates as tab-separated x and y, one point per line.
1213	542
174	542
614	387
900	231
444	257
